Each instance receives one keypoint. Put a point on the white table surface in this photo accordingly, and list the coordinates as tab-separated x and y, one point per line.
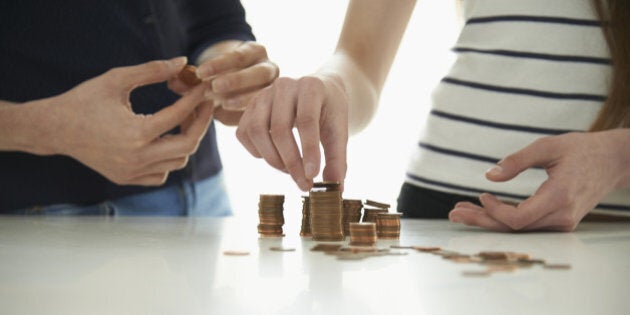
176	266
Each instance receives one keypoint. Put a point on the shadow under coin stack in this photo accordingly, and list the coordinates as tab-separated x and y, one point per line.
369	214
351	213
270	214
305	231
362	233
325	204
388	225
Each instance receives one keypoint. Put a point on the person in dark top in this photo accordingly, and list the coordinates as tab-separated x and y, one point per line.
94	118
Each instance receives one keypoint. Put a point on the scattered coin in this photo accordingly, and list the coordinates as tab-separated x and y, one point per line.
426	248
476	273
281	249
557	266
235	253
326	247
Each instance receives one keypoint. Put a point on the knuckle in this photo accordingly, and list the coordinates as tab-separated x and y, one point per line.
284	83
306	121
279	131
256	130
239	55
310	83
257	49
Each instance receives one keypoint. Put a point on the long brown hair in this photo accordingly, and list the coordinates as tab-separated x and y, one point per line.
615	17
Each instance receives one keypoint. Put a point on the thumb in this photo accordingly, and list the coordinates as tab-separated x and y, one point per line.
540	153
147	73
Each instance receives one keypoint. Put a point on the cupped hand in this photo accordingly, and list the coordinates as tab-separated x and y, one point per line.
582	169
317	107
95	124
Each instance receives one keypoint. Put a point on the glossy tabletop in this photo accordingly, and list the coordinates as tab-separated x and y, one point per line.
177	266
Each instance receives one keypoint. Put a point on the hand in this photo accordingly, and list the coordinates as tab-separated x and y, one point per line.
235	71
95	124
318	107
582	169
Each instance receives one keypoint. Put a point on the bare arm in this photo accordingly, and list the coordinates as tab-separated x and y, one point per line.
367	46
23	128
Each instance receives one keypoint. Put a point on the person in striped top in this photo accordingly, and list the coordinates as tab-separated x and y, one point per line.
539	89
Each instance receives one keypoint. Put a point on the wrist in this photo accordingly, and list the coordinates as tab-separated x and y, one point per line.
30	128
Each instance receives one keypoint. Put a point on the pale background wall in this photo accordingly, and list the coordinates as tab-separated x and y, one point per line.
299	36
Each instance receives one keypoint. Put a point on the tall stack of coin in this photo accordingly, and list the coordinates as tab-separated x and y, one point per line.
305	231
351	213
325	204
362	234
270	214
388	225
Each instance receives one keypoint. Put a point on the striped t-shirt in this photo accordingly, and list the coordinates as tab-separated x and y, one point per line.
524	70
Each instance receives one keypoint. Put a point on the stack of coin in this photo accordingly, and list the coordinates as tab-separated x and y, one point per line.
388	225
362	234
270	213
377	204
351	213
305	231
369	214
325	205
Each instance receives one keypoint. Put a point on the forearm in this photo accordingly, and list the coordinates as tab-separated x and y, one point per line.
23	127
367	46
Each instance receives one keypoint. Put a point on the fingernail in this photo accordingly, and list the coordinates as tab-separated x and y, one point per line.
310	170
219	85
495	170
205	71
178	61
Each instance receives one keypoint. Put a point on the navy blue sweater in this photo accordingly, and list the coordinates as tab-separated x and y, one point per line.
48	47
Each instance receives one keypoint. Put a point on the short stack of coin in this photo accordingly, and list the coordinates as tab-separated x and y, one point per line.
305	231
325	205
362	234
369	214
377	204
388	225
270	213
351	213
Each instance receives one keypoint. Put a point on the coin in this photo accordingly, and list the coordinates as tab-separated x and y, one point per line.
189	75
235	253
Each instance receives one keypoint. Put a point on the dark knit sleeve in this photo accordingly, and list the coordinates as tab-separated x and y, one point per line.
212	21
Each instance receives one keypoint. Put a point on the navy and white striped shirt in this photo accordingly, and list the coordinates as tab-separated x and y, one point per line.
524	70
